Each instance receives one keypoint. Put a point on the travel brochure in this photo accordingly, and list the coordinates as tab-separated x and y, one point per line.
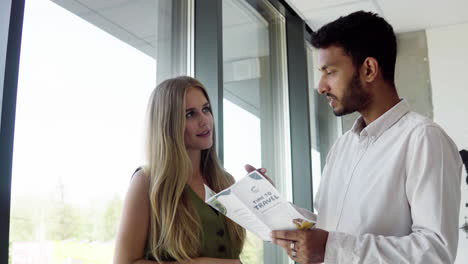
255	204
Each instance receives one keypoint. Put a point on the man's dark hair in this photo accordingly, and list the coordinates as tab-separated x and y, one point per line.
361	35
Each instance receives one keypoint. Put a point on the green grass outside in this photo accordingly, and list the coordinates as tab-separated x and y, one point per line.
92	253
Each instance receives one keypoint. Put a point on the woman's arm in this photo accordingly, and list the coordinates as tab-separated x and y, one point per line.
134	223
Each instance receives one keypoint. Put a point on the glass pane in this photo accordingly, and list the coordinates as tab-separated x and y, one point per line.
250	151
314	131
85	78
236	118
325	126
256	116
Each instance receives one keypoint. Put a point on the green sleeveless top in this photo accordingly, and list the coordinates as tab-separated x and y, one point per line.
215	238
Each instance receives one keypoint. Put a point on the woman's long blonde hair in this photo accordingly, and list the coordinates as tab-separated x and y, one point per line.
175	225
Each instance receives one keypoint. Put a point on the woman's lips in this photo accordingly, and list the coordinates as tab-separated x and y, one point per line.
205	134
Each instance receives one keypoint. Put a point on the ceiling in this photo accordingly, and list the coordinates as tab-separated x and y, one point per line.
132	21
135	21
403	15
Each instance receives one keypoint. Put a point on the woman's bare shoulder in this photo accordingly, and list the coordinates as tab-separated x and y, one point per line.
140	181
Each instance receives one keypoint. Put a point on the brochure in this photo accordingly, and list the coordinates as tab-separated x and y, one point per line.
255	204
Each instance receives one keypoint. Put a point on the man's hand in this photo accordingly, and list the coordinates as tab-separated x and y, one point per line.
308	244
249	168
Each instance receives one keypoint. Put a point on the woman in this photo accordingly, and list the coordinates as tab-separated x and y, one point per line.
165	218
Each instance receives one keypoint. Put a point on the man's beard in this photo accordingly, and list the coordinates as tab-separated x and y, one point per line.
354	98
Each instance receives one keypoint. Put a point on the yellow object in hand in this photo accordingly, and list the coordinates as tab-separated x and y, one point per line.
302	224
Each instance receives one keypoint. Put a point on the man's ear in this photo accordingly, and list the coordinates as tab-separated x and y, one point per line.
370	69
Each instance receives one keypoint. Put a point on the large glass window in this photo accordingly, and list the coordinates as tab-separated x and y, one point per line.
87	69
256	123
325	127
85	78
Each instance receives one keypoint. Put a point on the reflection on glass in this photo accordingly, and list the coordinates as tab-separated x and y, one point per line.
81	103
256	124
325	127
244	127
314	131
240	124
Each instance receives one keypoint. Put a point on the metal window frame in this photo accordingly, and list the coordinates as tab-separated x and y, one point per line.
208	46
299	112
298	33
208	52
209	70
174	49
8	111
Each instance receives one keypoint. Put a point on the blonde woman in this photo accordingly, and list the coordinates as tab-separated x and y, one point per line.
165	218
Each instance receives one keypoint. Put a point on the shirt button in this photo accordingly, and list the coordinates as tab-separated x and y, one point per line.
220	232
221	248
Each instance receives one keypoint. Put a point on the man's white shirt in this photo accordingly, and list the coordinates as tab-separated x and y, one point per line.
390	192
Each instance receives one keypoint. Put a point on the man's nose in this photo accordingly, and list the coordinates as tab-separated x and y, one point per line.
323	87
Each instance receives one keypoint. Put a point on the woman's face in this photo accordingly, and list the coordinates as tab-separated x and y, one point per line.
198	133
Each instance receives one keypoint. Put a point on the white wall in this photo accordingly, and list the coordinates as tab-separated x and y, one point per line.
412	77
448	58
5	7
448	62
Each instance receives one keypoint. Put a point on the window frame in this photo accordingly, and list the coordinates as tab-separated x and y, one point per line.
11	38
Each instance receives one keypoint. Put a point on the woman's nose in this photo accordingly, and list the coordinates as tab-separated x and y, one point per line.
204	119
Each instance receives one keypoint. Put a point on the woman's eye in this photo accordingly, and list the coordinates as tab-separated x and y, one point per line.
188	114
207	109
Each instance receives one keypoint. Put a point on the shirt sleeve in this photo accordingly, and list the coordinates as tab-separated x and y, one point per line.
434	171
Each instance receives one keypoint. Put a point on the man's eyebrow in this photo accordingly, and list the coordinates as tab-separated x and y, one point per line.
325	67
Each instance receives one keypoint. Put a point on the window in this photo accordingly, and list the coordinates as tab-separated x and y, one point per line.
82	98
325	127
256	110
314	120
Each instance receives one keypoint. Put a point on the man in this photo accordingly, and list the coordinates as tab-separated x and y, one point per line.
390	190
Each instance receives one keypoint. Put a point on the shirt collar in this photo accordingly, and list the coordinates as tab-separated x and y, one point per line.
380	125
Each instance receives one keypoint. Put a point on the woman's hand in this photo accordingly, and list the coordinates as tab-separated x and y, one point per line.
249	168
